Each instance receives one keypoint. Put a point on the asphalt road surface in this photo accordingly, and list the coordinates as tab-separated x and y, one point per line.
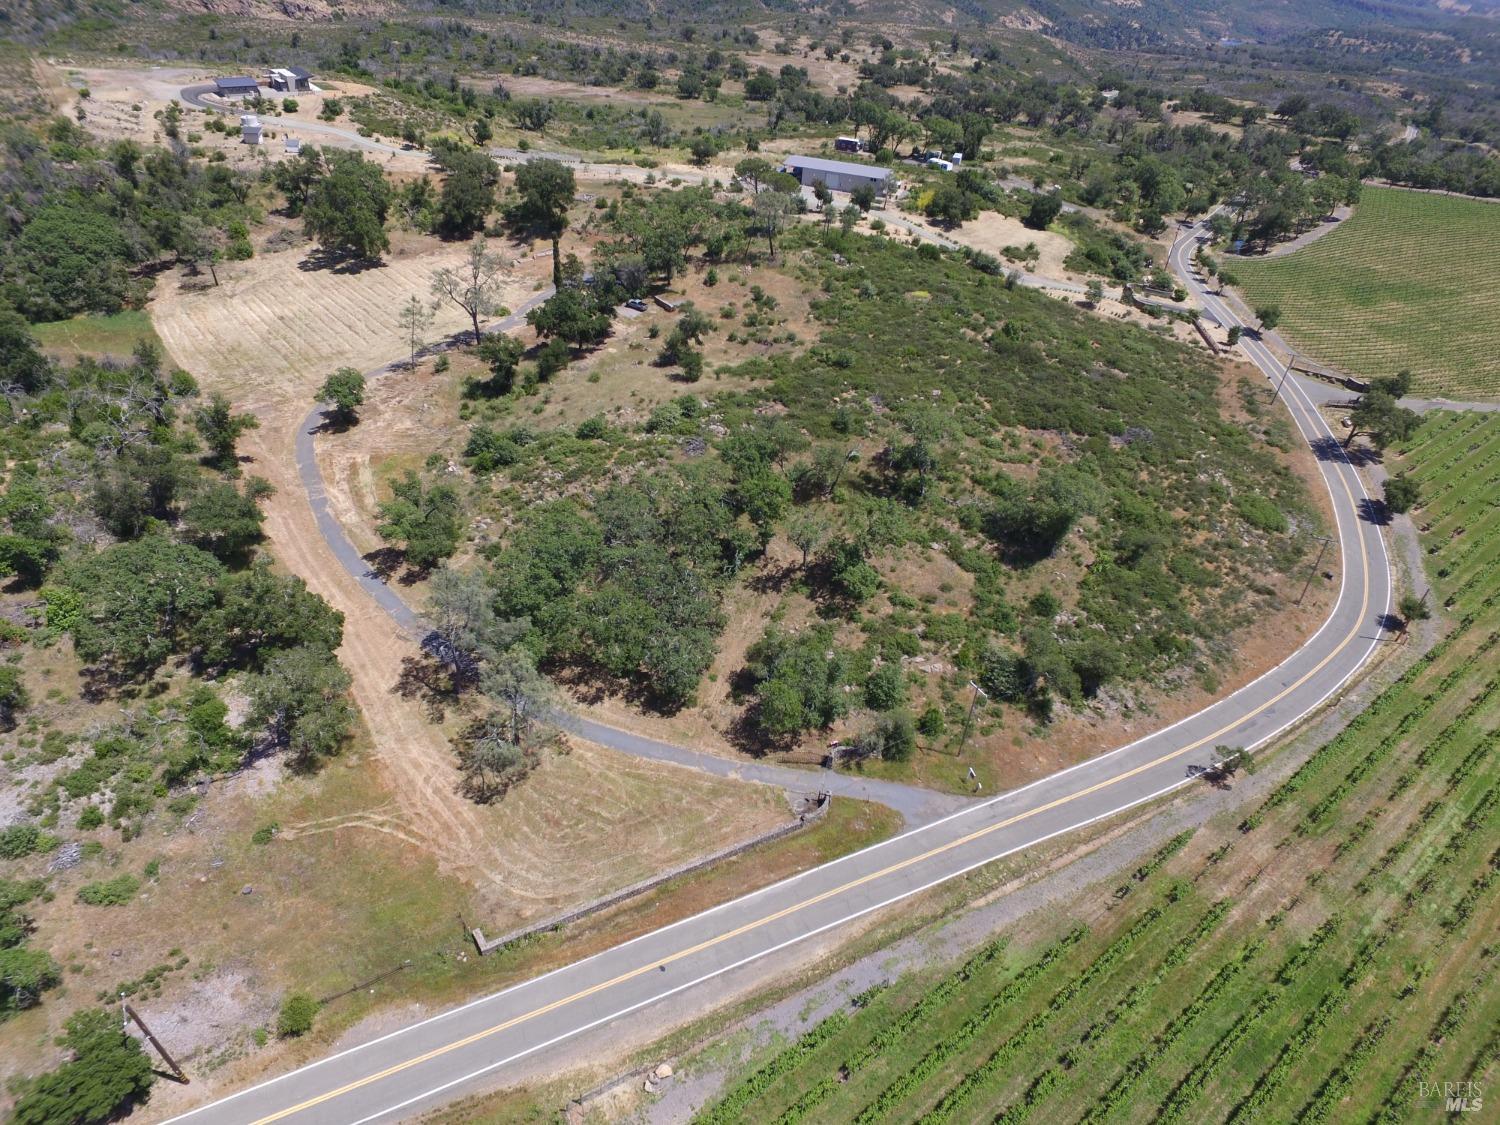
422	1065
915	804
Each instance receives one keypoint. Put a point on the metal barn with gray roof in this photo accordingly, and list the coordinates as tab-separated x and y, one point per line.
839	175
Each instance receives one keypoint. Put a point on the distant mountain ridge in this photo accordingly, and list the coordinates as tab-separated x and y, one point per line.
1096	23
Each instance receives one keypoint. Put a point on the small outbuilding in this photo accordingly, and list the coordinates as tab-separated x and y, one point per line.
250	129
839	175
236	87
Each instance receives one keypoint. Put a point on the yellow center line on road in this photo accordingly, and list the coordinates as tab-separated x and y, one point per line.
728	935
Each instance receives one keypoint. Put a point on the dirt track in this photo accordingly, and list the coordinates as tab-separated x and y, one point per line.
267	337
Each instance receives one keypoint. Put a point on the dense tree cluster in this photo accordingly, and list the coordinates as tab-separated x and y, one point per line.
626	583
1452	166
84	217
799	681
165	566
106	1075
629	589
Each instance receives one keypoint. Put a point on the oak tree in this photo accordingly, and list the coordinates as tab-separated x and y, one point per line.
474	286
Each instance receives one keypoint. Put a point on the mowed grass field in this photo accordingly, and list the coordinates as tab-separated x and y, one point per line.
1315	961
115	335
1411	280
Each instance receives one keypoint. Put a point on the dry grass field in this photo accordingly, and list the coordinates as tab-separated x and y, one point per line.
275	327
343	890
267	336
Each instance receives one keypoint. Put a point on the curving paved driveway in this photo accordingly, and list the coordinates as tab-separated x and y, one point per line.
426	1063
915	804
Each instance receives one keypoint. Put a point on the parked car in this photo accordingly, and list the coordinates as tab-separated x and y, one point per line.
636	304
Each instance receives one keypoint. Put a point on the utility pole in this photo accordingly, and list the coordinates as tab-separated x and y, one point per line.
131	1014
1277	392
969	718
1325	541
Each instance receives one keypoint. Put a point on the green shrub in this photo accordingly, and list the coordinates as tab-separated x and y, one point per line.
19	841
892	738
88	777
265	833
592	428
932	723
553	357
54	746
1045	605
488	450
885	690
1003	674
296	1016
24	975
110	892
14	697
91	817
1260	513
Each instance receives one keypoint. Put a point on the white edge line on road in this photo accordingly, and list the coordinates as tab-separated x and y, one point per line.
843	920
978	807
1369	649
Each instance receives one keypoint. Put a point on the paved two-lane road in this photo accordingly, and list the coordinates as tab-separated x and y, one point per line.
423	1064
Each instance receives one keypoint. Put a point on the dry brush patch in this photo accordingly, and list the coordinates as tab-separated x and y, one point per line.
1289	945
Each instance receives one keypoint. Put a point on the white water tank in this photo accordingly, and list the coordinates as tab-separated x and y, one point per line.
250	128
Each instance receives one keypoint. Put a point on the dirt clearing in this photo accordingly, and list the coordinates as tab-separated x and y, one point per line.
992	232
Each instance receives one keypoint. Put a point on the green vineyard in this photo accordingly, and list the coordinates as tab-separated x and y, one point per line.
1322	959
1411	280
